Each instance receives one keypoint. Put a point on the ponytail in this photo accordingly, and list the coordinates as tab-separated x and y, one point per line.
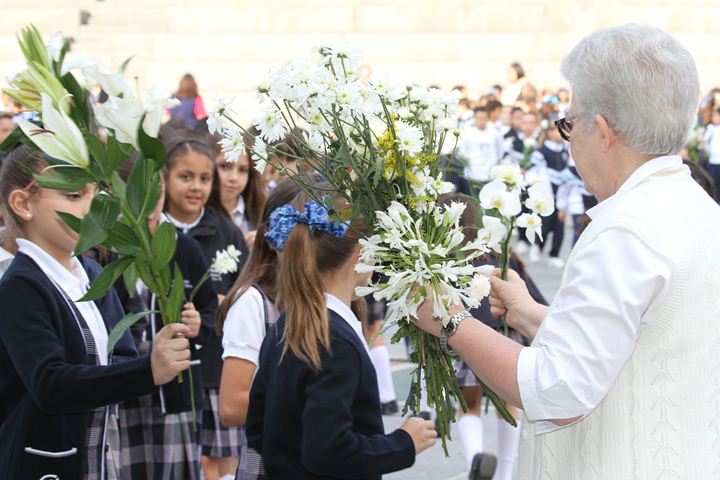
303	299
306	258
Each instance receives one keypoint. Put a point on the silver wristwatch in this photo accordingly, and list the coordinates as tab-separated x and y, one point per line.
449	330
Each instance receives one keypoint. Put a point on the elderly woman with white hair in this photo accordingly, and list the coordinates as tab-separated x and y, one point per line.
622	379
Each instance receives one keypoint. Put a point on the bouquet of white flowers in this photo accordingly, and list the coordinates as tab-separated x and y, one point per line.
500	200
378	146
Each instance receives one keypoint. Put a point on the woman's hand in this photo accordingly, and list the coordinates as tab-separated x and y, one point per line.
427	322
512	299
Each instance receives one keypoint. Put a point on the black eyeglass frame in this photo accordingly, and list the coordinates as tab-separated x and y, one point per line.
565	126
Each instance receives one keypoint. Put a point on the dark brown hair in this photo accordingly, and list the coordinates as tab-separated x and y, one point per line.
188	87
254	192
177	146
307	256
261	266
15	174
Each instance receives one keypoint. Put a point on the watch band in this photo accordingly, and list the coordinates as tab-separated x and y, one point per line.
449	331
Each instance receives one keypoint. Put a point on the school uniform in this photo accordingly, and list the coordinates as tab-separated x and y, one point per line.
555	157
323	424
157	435
57	376
215	233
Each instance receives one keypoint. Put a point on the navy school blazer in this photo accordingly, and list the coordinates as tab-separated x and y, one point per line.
189	258
322	425
47	384
215	233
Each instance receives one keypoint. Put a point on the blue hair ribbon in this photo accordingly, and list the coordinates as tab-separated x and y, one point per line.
283	220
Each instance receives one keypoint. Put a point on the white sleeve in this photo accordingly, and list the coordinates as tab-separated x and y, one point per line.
244	328
591	328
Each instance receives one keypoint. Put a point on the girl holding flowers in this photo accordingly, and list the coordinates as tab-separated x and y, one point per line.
189	175
314	404
58	377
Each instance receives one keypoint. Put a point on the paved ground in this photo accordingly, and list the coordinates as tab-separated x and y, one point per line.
432	464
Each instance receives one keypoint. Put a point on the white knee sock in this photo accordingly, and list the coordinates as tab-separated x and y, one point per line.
471	434
508	445
381	361
228	477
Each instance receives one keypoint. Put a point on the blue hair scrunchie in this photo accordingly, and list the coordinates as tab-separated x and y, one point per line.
283	220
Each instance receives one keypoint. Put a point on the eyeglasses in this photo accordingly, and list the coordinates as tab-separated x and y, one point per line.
565	126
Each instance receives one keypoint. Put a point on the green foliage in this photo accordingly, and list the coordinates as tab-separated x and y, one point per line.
107	278
123	325
96	225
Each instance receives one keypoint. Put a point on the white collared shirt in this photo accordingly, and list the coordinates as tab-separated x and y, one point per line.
238	216
337	306
185	227
6	259
75	283
591	328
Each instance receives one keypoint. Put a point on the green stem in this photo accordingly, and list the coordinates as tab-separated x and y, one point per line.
505	265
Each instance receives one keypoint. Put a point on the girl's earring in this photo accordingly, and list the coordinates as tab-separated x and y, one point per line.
29	216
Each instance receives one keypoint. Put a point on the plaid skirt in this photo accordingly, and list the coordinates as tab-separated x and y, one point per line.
157	446
216	440
250	466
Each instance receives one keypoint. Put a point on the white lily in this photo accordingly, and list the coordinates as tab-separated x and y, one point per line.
54	45
510	175
533	223
157	102
540	200
122	115
60	137
109	80
494	195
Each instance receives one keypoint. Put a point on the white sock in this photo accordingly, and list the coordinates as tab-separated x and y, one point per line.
381	361
508	445
228	477
471	434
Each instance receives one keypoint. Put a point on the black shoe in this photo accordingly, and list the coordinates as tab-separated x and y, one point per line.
483	467
390	408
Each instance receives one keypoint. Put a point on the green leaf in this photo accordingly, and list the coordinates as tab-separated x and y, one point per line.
123	325
130	278
70	220
58	65
163	244
146	276
176	299
123	239
124	65
143	189
107	278
15	137
118	185
98	222
80	112
68	179
151	147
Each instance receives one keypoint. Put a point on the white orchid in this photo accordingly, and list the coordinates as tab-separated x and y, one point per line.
533	225
510	175
540	200
492	233
495	195
59	137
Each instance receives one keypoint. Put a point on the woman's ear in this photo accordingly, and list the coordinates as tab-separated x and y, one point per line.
19	203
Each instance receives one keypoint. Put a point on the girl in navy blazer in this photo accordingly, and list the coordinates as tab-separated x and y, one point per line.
57	377
314	405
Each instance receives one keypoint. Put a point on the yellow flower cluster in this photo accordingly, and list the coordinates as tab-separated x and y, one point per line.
387	144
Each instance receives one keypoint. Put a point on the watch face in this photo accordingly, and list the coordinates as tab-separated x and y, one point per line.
450	329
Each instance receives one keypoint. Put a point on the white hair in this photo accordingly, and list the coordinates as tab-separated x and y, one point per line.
642	81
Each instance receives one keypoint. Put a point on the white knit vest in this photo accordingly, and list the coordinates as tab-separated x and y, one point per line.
661	417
